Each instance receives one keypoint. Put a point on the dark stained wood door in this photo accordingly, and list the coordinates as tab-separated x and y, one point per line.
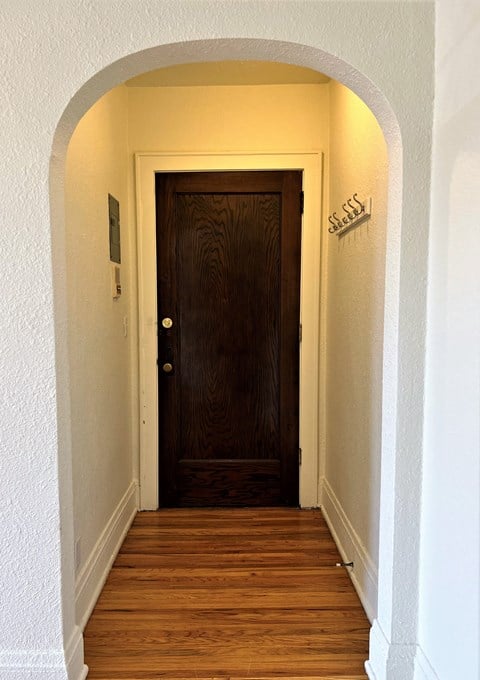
228	261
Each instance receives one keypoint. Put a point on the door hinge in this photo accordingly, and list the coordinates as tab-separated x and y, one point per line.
300	331
299	456
302	202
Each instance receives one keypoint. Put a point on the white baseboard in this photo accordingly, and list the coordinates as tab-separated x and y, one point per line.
423	668
379	647
364	575
16	671
32	672
390	661
76	669
46	664
93	575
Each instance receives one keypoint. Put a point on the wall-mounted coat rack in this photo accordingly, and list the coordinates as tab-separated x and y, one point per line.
355	211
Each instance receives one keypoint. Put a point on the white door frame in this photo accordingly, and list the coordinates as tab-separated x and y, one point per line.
312	289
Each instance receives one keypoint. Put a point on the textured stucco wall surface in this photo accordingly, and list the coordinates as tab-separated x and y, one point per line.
355	299
450	555
57	59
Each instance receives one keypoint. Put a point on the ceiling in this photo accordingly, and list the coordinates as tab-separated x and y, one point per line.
228	73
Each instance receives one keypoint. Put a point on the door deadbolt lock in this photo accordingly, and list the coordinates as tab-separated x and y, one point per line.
167	322
167	367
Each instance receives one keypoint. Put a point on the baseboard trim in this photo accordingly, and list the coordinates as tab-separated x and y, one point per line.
34	664
364	576
423	667
92	577
389	660
37	664
76	669
379	647
32	672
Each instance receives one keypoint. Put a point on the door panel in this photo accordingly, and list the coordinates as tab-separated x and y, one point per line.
228	254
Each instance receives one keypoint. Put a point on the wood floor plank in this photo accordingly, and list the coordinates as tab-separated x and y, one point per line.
317	556
331	621
227	595
234	577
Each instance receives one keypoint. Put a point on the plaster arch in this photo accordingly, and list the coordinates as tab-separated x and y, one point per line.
395	626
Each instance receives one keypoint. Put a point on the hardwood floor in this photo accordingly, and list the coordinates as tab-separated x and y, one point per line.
227	595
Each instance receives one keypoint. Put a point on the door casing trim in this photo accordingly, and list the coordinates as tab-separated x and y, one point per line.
312	287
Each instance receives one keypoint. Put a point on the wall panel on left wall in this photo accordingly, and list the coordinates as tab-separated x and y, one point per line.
101	366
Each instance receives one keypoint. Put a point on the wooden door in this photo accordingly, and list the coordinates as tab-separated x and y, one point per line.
228	262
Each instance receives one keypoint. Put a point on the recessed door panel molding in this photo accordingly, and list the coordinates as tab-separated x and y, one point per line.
228	270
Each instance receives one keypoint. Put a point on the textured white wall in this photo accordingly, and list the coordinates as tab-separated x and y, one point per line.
355	310
450	556
100	365
57	59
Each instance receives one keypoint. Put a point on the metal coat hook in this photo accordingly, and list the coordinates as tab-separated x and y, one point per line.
350	215
353	215
355	210
362	207
337	220
334	227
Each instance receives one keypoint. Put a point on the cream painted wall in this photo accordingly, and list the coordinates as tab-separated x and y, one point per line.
355	309
237	118
449	616
100	361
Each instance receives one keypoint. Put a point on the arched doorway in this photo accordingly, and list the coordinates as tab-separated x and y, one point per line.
179	53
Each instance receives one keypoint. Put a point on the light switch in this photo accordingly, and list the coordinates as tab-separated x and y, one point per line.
115	282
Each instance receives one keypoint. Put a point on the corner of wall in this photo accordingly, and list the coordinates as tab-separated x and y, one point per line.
76	669
364	574
101	339
92	577
355	304
423	668
390	661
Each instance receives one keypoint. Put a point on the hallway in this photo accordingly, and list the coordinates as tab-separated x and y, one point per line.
227	595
